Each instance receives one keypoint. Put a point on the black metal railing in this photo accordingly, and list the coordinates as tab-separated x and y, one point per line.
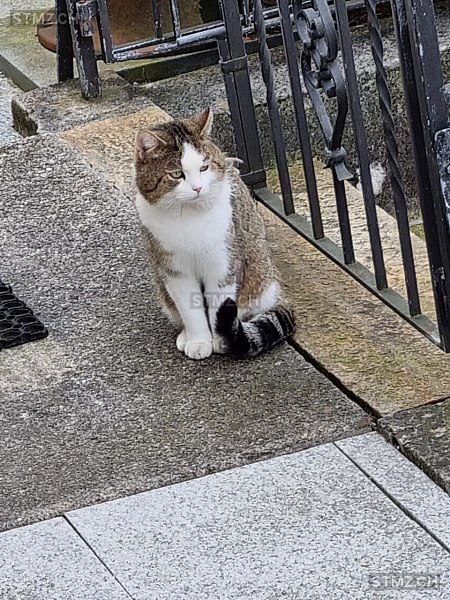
80	22
326	68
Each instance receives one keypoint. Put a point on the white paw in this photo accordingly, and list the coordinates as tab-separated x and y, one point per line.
219	345
181	341
198	349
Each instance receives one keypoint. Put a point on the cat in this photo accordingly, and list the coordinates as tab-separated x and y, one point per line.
206	242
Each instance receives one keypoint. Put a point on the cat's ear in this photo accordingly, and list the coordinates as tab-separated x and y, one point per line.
203	122
146	141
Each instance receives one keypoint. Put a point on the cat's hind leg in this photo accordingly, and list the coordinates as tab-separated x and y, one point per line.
249	308
215	295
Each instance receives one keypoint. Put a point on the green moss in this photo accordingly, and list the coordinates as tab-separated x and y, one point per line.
418	230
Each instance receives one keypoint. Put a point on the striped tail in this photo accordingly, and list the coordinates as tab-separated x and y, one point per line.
245	339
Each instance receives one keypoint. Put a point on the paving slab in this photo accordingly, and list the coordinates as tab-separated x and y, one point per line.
305	526
60	107
403	481
371	350
423	434
107	406
49	560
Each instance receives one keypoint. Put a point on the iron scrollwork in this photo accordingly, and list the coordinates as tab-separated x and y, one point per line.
321	71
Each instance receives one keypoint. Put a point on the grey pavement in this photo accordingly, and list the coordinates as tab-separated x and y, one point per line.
423	434
106	406
50	561
305	526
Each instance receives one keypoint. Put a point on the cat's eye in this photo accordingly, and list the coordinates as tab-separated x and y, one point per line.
176	174
204	168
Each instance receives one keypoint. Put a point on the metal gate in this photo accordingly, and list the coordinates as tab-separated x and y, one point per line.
327	66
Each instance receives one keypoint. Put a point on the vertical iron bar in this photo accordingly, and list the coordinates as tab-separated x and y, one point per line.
344	219
428	114
175	18
156	9
322	73
300	117
64	42
245	13
239	93
234	107
361	144
104	31
393	159
272	106
83	49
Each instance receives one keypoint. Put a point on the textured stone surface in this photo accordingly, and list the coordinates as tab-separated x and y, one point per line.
305	526
107	406
7	134
49	560
60	106
109	145
423	434
410	488
9	6
372	351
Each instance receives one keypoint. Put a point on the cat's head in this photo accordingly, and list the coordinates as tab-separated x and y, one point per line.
177	164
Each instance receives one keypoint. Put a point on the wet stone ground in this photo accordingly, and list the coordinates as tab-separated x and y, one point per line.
8	135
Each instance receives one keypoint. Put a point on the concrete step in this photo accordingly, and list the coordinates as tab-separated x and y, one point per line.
377	355
106	406
60	107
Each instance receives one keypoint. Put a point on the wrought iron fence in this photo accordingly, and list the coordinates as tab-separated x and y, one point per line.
327	69
80	23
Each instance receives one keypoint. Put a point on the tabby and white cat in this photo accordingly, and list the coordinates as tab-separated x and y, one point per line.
206	241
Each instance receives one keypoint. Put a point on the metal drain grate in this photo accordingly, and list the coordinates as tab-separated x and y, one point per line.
18	324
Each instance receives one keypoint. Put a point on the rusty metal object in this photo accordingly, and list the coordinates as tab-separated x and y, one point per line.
135	22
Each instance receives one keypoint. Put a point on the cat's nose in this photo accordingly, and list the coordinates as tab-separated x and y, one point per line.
197	189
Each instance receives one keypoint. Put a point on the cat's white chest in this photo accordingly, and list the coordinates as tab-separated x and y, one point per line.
197	240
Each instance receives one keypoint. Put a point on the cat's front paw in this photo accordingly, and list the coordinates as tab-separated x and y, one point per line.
181	341
198	349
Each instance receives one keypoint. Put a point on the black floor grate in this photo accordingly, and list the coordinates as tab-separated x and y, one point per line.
18	324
